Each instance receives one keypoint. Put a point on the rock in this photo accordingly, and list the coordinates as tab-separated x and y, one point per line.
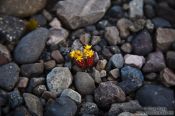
38	90
20	8
134	60
115	73
149	25
170	58
168	77
112	35
57	56
106	53
136	8
115	49
108	93
21	111
149	11
162	43
11	28
55	23
57	36
29	70
158	95
47	15
96	75
33	103
49	64
35	82
89	108
155	62
160	22
63	106
31	46
15	99
5	56
131	106
84	83
95	40
123	25
9	76
23	82
116	11
72	94
101	25
58	79
151	76
117	60
101	64
41	20
142	43
76	45
137	25
74	15
126	47
85	38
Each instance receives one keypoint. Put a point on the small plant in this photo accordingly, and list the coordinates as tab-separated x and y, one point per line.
85	58
32	24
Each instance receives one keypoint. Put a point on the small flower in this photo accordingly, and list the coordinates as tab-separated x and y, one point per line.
72	54
87	47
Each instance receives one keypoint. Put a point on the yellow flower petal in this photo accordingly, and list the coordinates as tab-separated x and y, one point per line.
87	47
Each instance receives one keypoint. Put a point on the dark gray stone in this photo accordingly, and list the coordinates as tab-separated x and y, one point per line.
89	108
15	99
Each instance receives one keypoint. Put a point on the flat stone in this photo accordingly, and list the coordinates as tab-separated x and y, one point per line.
136	8
75	16
23	82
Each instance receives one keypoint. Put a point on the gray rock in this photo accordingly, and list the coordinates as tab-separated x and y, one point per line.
21	8
85	38
84	83
33	103
112	35
5	56
160	22
11	28
136	8
170	58
23	82
35	82
72	94
101	64
95	40
21	111
9	76
117	60
58	79
89	108
115	73
31	46
74	15
155	62
126	48
57	56
15	99
137	25
76	45
108	93
55	23
38	90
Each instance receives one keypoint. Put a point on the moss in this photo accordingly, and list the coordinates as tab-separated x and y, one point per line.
32	24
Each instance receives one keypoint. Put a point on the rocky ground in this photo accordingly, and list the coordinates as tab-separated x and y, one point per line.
134	44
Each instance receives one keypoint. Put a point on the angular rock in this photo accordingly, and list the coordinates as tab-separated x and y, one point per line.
155	62
101	64
84	83
32	69
160	22
15	99
89	108
170	58
49	64
33	103
138	25
142	43
31	46
96	75
49	95
9	76
136	8
117	60
108	93
85	38
74	15
5	56
21	8
55	23
58	79
115	73
112	35
164	38
134	60
95	40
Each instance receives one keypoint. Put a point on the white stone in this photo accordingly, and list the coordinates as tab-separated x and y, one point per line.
55	23
136	8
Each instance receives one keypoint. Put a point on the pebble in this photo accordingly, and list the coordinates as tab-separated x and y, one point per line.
95	40
115	49
49	64
170	58
116	11
57	56
96	75
9	76
38	90
155	62
21	111
149	25
35	82
23	82
136	8
117	60
115	73
149	11
49	95
151	76
161	22
101	64
47	15
142	43
84	83
33	103
58	79
112	35
85	38
55	23
29	70
76	45
75	96
137	25
5	55
15	99
126	48
108	93
101	25
41	20
134	60
89	108
31	46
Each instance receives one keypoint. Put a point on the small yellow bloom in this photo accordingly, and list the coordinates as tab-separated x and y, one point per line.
87	47
72	54
79	58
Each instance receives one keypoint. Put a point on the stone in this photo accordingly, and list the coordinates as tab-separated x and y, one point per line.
136	8
21	111
15	99
101	25
149	25
76	45
40	19
35	82
47	15
151	76
134	60
22	8
31	46
57	36
84	83
9	76
117	60
5	56
58	79
75	16
161	22
131	106
49	64
159	96
11	28
101	64
142	43
112	35
96	75
125	114
95	40
23	82
85	38
170	58
149	11
106	53
57	56
162	43
55	23
168	77
123	25
49	95
155	62
108	93
115	73
115	49
62	106
33	104
38	90
29	70
137	25
89	108
72	94
126	48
